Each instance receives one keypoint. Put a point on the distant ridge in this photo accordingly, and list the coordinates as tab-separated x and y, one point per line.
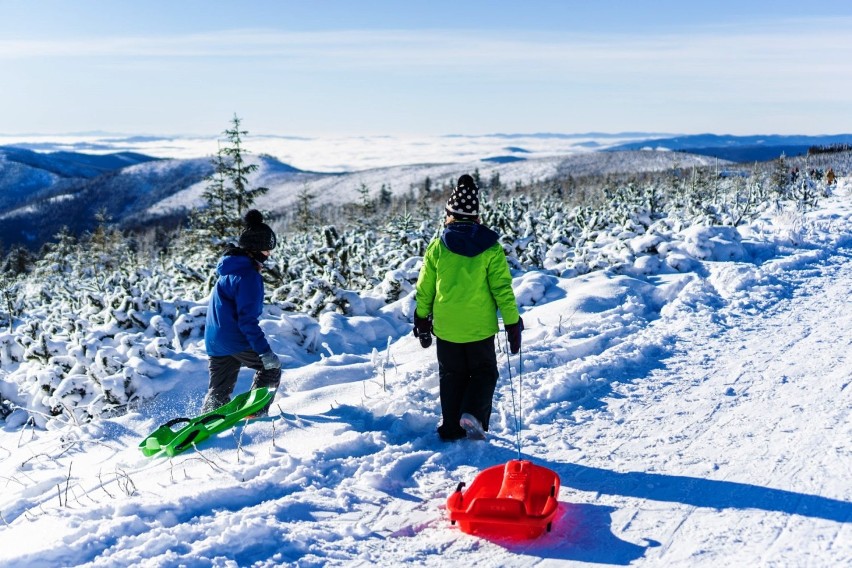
738	148
504	159
564	136
73	164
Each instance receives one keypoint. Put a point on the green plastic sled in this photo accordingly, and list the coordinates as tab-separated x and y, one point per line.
166	440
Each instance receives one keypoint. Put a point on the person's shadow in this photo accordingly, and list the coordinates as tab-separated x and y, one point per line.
582	531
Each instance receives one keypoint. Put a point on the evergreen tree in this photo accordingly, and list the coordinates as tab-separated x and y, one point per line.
218	220
238	170
107	245
780	177
8	295
304	211
58	257
495	185
19	260
402	223
367	204
227	197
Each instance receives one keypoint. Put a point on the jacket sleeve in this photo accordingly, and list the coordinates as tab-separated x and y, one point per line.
249	300
426	283
500	283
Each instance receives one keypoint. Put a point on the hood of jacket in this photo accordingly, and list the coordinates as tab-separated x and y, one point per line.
468	238
236	261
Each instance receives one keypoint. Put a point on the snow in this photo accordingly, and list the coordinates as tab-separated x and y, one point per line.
286	187
697	412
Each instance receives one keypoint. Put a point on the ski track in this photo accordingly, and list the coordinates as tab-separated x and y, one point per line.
723	406
672	447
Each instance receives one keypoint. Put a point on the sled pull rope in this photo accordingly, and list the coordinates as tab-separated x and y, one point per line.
517	409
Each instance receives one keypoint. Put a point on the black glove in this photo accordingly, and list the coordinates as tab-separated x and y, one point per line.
513	331
423	330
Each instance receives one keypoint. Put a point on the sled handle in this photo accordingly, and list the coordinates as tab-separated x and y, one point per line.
194	434
458	492
174	421
187	441
211	418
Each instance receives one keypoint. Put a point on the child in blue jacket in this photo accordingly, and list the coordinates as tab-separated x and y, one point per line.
232	336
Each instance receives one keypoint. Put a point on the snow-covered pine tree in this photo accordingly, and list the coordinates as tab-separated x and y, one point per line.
238	169
9	295
780	177
107	246
304	209
19	260
58	257
217	221
366	206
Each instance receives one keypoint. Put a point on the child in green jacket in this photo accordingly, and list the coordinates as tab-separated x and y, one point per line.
464	280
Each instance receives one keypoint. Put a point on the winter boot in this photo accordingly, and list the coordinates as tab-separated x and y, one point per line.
472	426
450	434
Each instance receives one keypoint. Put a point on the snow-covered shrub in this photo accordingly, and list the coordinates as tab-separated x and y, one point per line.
92	319
400	281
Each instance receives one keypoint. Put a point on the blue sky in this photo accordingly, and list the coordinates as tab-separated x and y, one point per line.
362	67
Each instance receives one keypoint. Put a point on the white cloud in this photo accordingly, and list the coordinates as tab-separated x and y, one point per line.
478	80
439	47
786	52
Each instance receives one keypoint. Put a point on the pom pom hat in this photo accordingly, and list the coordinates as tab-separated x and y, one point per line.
257	236
464	200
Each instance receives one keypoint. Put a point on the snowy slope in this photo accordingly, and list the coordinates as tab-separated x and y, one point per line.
73	164
36	204
37	198
25	174
698	417
343	187
25	180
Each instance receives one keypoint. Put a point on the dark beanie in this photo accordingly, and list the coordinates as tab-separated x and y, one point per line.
257	236
464	200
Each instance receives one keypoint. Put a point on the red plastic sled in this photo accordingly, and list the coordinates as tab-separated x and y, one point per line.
517	500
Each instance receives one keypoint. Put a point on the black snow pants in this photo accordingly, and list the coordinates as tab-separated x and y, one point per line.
223	378
468	376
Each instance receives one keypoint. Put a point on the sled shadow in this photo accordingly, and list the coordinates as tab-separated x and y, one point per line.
700	492
581	533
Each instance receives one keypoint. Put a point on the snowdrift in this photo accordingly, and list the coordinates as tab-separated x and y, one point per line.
696	409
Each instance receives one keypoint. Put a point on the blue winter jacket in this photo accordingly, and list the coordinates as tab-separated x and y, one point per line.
234	310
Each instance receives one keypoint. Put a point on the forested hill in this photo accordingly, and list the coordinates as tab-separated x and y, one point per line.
42	194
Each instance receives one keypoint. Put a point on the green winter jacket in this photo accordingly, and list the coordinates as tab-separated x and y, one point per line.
464	280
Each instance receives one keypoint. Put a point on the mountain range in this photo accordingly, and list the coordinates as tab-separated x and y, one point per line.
754	148
41	190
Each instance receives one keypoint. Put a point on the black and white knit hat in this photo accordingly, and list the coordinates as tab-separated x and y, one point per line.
464	200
